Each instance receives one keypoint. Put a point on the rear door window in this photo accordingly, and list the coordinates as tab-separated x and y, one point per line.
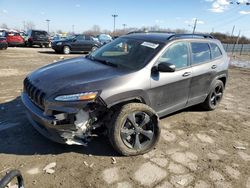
215	50
200	53
80	38
87	37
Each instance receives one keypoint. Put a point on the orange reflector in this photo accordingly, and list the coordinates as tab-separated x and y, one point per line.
87	97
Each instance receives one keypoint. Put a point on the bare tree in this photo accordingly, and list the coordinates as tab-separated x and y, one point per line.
4	26
95	30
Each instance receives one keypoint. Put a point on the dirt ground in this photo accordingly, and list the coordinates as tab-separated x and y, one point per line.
197	148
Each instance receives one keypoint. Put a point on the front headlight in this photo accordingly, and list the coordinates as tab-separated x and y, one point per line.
77	97
59	43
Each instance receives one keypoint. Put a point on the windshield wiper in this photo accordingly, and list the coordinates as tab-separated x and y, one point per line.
105	62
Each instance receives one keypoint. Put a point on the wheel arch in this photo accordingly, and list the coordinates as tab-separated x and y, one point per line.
127	97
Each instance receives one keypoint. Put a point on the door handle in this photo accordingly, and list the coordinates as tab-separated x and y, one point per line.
186	74
214	67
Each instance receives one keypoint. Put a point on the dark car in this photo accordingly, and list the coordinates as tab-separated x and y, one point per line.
75	43
3	41
124	87
104	38
38	37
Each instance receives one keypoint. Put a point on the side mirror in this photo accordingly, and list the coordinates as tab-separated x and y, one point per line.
74	40
166	67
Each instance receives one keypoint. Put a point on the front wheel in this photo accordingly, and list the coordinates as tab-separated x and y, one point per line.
66	50
215	95
134	130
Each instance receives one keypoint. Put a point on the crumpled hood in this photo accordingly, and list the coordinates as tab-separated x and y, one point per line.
73	72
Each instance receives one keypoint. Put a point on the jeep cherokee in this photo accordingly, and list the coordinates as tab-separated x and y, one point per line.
124	87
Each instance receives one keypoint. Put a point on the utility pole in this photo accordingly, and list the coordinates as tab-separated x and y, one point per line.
231	36
237	41
114	16
124	26
48	24
195	23
73	29
238	38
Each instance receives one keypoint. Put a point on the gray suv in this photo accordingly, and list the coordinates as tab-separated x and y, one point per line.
124	87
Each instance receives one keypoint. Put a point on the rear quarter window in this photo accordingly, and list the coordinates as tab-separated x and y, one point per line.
200	53
215	51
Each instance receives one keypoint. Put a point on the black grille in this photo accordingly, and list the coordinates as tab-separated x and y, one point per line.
35	94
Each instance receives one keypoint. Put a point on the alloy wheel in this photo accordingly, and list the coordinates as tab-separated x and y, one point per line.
137	131
216	95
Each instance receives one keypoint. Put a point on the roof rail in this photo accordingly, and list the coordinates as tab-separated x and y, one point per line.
190	36
150	31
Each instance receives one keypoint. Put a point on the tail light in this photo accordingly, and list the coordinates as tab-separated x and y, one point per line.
30	39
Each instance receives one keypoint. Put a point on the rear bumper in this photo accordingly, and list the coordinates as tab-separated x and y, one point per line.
40	42
16	43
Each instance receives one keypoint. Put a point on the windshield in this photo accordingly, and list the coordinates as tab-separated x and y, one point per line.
127	52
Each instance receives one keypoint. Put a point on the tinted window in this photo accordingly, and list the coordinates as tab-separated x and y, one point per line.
40	33
215	50
80	37
87	37
200	53
176	54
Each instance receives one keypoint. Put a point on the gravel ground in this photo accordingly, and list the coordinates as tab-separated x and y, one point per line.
197	148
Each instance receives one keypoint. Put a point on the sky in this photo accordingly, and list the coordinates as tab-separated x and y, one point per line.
212	15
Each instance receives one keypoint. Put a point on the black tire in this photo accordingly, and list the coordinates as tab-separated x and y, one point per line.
134	129
66	50
215	95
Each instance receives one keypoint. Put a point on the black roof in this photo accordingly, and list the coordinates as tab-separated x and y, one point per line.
165	37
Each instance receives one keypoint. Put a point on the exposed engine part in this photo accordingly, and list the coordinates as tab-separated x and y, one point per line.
82	120
84	124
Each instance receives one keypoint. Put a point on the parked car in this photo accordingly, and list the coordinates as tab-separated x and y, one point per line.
3	41
104	38
76	43
38	37
124	87
14	38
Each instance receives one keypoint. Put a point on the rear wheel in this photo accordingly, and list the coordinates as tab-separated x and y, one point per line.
214	97
134	130
66	50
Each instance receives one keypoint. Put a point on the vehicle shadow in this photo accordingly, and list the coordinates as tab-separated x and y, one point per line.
18	137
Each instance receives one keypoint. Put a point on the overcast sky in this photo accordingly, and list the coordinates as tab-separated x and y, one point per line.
216	15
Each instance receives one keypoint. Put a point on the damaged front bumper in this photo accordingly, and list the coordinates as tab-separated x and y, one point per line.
67	126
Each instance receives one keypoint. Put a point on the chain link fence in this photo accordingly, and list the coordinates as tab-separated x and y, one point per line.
241	49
